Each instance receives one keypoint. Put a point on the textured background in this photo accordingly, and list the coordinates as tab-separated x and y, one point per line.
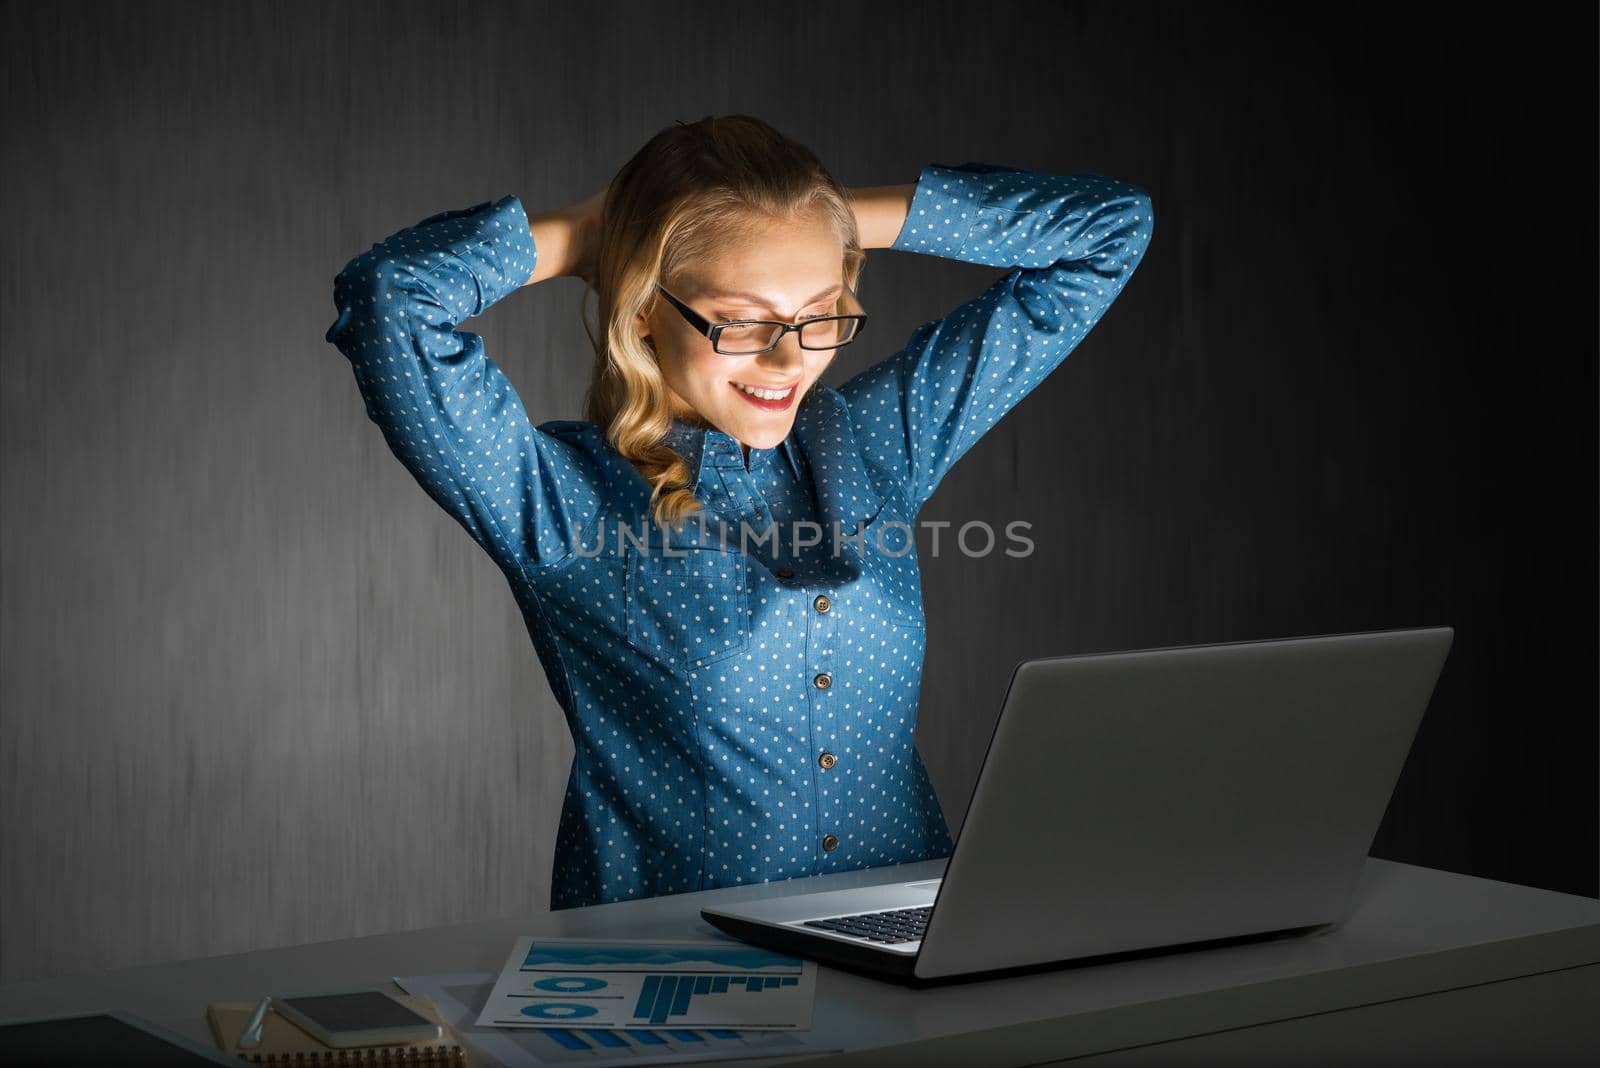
256	689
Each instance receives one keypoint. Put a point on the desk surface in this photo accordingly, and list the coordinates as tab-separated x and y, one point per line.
1412	931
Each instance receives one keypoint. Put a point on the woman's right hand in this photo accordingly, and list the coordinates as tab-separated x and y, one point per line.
585	242
567	240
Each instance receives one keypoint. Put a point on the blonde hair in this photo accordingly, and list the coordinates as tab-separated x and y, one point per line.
691	188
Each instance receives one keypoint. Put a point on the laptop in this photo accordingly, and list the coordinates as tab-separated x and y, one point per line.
1139	802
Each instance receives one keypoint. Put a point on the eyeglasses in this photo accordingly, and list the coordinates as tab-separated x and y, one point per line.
748	337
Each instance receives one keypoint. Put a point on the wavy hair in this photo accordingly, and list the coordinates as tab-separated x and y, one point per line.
692	187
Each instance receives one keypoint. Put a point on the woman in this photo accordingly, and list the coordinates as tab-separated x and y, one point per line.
742	706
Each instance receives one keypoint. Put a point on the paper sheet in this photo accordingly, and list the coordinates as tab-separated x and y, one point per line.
460	997
624	983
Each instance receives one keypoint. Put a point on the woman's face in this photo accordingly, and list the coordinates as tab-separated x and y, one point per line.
784	271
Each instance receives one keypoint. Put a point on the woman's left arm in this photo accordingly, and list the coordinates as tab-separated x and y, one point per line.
881	211
1073	241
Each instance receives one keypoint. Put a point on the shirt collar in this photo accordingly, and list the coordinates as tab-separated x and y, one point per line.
705	447
792	452
822	434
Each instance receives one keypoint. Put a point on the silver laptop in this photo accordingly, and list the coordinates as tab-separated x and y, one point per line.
1134	802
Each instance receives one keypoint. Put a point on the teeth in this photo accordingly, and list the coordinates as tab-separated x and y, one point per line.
765	394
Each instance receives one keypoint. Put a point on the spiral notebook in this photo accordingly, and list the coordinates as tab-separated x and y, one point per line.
284	1043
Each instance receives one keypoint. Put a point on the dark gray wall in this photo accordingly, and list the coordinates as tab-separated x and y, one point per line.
259	690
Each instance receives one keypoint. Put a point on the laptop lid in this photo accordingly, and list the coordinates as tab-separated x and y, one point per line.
1155	797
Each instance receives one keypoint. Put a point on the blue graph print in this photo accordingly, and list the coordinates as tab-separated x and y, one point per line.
574	1039
564	984
665	996
553	955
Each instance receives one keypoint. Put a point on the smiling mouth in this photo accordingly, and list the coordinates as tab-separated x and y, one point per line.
769	395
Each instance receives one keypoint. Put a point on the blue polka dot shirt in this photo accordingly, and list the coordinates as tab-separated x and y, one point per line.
742	705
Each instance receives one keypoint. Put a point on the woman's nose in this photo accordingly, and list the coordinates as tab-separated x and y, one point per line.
786	358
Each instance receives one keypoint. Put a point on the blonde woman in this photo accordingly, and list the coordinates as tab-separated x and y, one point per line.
716	564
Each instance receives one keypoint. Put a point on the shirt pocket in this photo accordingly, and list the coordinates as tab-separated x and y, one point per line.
686	604
890	586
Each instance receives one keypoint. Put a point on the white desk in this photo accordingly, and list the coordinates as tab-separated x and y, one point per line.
1431	967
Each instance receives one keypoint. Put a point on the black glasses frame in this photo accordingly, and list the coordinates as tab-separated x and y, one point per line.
714	330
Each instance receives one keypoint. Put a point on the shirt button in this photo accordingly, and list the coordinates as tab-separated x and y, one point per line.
822	603
823	681
827	760
784	572
829	842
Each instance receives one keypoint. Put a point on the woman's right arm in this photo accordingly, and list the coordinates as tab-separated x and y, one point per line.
447	411
566	239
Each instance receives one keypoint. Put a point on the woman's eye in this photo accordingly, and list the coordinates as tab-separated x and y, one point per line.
803	318
720	317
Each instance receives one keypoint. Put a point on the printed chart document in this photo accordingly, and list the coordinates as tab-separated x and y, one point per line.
459	997
619	984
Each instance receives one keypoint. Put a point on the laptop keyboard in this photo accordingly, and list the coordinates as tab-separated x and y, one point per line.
889	926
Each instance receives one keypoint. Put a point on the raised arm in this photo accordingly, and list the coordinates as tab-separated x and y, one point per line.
448	413
1072	241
